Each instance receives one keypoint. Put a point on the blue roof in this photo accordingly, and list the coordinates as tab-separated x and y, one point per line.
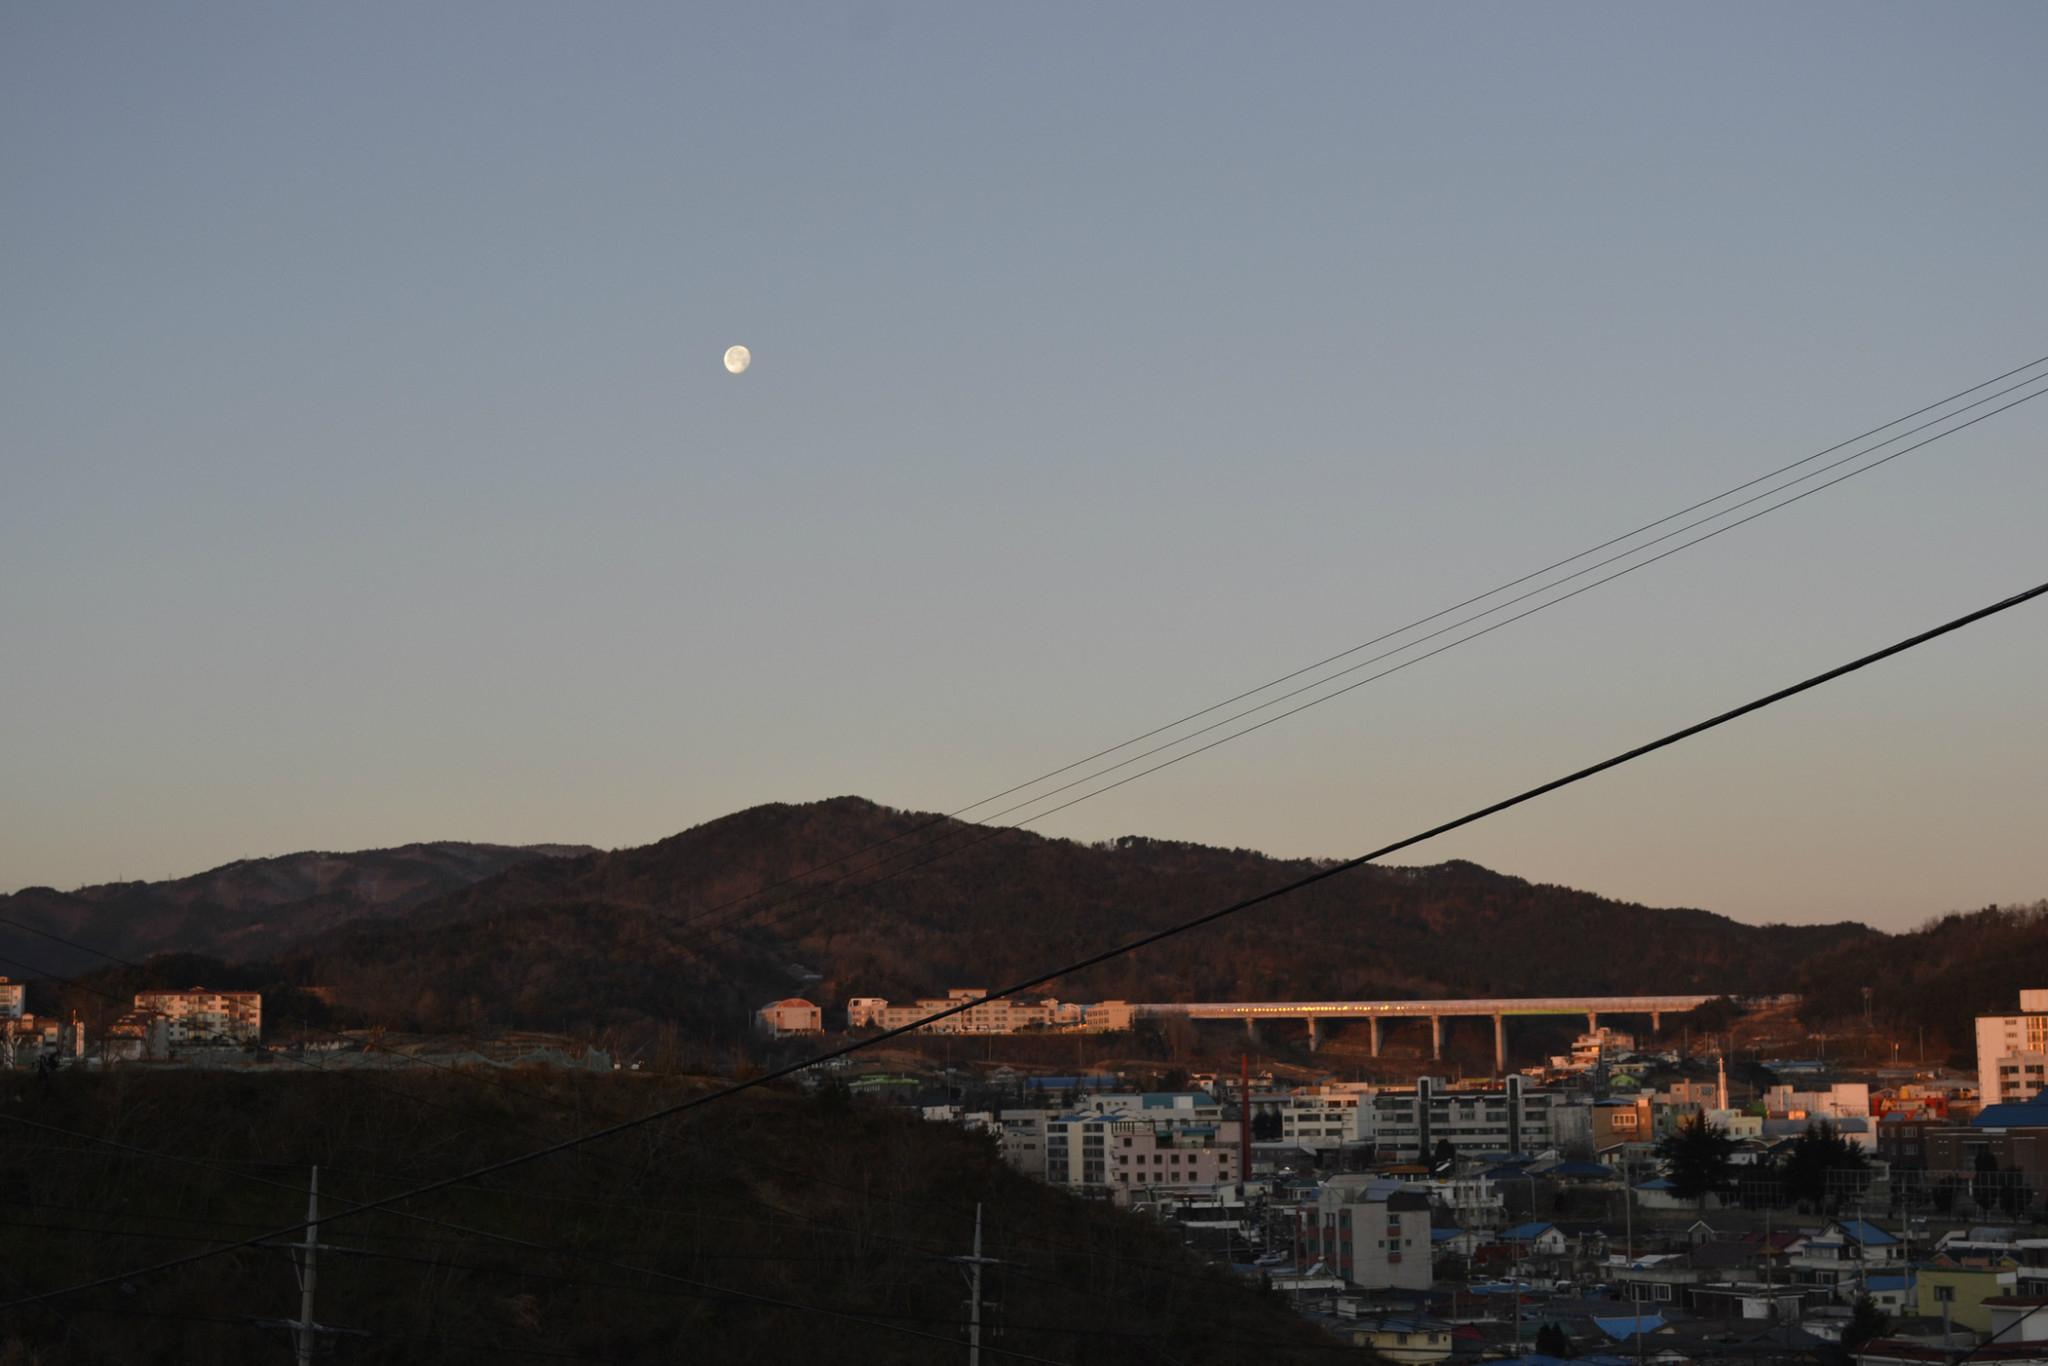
1582	1168
1659	1184
2013	1114
1870	1235
1523	1233
1440	1235
1625	1327
1887	1282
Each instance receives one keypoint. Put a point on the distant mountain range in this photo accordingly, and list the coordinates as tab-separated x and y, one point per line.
250	909
844	897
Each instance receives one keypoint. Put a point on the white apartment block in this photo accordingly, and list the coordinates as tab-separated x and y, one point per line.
1022	1133
2012	1051
1005	1016
233	1016
1378	1243
1077	1151
1411	1121
1326	1116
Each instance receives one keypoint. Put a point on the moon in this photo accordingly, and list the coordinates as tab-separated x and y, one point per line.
738	358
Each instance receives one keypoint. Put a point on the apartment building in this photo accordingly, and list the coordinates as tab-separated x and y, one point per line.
1022	1134
1320	1117
1409	1121
1077	1151
1005	1016
206	1016
1143	1153
13	998
1371	1234
2012	1051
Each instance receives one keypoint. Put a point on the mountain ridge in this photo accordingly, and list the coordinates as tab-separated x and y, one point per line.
246	909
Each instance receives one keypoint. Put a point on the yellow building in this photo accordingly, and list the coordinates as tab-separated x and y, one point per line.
1422	1342
1963	1290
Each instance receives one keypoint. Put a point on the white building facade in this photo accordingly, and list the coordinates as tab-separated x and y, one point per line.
2012	1051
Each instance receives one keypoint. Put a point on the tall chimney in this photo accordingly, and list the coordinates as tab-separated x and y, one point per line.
1724	1082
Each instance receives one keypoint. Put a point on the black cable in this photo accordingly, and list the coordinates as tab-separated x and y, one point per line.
491	1078
1386	636
736	927
1320	875
757	925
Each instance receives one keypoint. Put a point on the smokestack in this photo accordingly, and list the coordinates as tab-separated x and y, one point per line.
1724	1082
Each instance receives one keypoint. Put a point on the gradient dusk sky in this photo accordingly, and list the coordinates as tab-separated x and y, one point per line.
369	473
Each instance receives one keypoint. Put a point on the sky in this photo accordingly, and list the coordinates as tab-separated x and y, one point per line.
368	472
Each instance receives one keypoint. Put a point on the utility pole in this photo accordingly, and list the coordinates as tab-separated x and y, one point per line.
305	1332
306	1270
1244	1124
971	1267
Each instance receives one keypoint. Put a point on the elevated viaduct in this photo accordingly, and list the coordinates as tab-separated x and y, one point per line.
1379	1012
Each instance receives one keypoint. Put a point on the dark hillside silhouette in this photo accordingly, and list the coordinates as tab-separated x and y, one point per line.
594	940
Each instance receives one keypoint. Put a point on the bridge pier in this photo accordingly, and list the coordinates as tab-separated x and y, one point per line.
1500	1043
1251	1028
1315	1033
1592	1022
1656	1020
1377	1025
1436	1036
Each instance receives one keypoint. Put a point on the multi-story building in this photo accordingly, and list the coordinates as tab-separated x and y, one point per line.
1144	1153
1374	1237
793	1016
1326	1116
1077	1151
1843	1100
1005	1016
25	1040
1621	1120
1409	1122
1023	1135
1590	1049
1161	1107
2012	1051
12	999
207	1016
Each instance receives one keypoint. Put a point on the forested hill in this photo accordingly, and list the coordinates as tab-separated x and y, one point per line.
1936	978
251	908
707	924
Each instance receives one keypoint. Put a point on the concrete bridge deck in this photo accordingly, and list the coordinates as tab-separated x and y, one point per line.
1498	1007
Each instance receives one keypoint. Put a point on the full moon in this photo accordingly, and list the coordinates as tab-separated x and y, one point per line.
738	359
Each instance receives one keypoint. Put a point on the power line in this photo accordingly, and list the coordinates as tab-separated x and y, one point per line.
491	1079
733	926
1611	542
1320	875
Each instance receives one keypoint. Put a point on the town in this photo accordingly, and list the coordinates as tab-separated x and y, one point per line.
1615	1203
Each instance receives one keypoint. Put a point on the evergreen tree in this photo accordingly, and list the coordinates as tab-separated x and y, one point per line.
1984	1183
1553	1341
1867	1323
1699	1158
1822	1166
1444	1160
